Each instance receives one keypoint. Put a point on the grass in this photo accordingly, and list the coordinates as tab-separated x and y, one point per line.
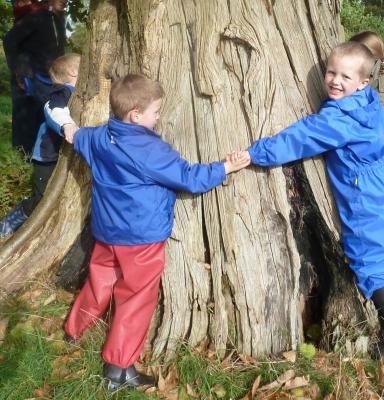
16	173
36	363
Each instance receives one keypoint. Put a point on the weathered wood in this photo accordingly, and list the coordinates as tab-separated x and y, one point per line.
233	71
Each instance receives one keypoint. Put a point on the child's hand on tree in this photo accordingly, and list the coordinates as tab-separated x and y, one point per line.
69	132
236	160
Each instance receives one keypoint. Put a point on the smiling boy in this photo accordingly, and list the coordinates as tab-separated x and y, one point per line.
349	131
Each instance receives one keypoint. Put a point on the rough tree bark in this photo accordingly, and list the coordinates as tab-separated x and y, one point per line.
254	262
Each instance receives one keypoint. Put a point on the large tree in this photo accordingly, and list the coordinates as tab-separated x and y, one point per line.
252	263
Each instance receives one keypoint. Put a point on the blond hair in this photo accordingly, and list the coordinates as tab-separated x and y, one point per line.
358	51
133	92
64	67
373	41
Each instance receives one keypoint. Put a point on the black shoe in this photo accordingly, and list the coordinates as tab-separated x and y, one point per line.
126	377
69	339
12	221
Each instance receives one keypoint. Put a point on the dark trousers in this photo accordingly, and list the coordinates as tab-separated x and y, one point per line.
41	174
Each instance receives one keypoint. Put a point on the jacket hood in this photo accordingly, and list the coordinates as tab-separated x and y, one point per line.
363	106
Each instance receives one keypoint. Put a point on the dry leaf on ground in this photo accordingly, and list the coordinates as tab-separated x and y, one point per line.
297	382
3	328
290	356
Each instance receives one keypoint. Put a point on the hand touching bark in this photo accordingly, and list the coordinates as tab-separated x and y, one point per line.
69	132
236	161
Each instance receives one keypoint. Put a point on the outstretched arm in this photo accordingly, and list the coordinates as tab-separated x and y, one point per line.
315	134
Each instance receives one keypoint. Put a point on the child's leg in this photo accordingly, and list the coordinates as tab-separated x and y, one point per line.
94	298
41	174
378	301
135	295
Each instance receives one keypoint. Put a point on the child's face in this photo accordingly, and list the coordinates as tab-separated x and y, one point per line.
150	115
342	77
72	75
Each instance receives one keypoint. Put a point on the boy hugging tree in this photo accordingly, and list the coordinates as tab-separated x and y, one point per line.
349	131
136	176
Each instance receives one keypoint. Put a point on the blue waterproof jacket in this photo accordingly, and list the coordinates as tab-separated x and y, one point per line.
135	179
350	133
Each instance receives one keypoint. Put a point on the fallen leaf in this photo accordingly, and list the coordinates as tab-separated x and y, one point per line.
297	382
191	392
43	392
65	297
51	325
75	375
161	381
286	376
314	391
255	386
60	373
380	375
290	356
361	375
50	299
227	361
62	360
3	328
219	391
246	359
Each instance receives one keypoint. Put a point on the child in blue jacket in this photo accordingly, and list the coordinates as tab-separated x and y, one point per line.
63	73
135	179
349	130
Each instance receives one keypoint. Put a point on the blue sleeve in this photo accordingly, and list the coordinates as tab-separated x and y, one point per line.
315	134
165	167
82	143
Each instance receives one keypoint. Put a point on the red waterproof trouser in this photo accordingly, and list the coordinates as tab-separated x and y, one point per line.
131	274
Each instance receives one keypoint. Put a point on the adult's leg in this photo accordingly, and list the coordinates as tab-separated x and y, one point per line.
94	298
135	295
25	123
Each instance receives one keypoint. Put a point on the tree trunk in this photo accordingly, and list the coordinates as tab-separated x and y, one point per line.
254	262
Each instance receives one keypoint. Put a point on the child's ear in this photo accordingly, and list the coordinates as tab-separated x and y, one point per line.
133	116
363	84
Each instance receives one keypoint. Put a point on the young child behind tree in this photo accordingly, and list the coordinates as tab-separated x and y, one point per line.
376	45
135	179
349	131
63	73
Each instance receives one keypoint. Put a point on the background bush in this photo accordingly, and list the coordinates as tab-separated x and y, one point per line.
358	16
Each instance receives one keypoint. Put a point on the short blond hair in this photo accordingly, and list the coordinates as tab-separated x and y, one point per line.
63	67
373	41
358	51
133	92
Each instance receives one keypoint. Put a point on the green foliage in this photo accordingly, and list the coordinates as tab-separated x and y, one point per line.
77	39
5	77
16	173
357	16
6	18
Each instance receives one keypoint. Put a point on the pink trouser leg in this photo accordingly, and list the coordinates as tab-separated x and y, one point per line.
94	298
135	294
